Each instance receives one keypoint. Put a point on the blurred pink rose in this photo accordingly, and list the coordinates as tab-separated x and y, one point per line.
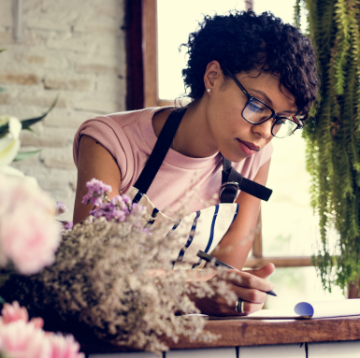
64	347
29	232
13	312
23	340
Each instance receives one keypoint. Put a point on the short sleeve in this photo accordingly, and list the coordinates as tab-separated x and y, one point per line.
111	135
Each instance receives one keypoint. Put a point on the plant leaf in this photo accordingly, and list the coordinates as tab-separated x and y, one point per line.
4	129
26	123
2	89
25	155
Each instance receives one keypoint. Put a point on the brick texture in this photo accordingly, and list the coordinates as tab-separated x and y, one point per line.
70	50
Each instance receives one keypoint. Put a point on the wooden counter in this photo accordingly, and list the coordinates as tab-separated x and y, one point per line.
245	332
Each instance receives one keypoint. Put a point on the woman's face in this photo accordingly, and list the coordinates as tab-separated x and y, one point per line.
236	138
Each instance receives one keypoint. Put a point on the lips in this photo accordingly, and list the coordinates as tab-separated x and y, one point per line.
251	146
248	148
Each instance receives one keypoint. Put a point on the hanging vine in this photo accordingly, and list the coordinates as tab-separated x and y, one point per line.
333	136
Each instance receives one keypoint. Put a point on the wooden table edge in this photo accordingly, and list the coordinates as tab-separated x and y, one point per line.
247	332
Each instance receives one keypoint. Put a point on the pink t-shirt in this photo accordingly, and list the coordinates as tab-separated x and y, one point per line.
130	138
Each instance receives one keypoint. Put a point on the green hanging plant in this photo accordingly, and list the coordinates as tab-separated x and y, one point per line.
332	134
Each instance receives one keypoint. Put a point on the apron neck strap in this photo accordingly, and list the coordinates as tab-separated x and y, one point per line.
160	150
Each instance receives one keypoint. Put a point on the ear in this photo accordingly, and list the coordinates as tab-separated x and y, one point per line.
213	76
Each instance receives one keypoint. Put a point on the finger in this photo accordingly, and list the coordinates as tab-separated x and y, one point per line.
247	280
251	307
251	295
263	272
247	308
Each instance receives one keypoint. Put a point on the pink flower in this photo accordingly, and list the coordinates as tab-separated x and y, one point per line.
29	232
13	312
23	340
20	339
64	347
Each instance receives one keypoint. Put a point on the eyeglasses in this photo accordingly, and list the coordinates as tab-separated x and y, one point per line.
258	112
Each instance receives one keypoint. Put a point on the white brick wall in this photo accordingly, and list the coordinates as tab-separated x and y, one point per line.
71	48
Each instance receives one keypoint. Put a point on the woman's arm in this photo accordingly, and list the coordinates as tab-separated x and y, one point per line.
94	161
237	242
233	249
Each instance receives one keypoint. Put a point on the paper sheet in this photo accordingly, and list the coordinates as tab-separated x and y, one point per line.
313	309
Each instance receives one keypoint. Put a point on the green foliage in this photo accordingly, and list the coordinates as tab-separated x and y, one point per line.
26	155
27	123
297	11
333	136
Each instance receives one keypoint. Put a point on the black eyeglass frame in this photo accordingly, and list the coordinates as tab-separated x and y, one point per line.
277	118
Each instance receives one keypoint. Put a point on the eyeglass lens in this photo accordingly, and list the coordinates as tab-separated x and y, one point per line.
257	112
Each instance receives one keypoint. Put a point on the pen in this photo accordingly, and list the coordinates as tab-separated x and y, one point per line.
208	258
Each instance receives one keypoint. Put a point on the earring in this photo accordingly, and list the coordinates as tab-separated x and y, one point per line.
208	89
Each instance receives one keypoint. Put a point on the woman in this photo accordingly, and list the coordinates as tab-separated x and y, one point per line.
250	78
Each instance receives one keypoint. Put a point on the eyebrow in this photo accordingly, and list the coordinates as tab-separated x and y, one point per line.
269	100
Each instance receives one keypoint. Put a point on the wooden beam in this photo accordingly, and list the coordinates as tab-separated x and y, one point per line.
150	53
134	55
353	290
295	261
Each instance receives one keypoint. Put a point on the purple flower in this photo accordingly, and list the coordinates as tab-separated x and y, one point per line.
86	199
69	225
97	213
61	207
126	198
96	192
96	201
97	187
138	209
118	208
119	215
117	200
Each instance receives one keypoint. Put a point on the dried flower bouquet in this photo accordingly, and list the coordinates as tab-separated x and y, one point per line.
114	277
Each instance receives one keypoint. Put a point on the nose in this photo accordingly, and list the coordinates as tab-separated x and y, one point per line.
264	129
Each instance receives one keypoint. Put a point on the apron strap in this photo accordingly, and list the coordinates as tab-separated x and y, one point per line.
159	152
232	181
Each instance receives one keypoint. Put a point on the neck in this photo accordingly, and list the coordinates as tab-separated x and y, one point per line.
193	138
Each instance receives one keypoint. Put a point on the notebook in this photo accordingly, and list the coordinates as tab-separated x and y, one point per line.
307	310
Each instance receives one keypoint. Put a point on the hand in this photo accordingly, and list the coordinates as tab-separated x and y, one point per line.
250	286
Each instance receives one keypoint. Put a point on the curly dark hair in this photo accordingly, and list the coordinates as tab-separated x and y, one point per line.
243	41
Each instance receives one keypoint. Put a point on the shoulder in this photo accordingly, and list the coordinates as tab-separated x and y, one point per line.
116	121
116	131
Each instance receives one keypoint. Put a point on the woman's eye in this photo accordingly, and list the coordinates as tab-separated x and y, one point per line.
256	107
